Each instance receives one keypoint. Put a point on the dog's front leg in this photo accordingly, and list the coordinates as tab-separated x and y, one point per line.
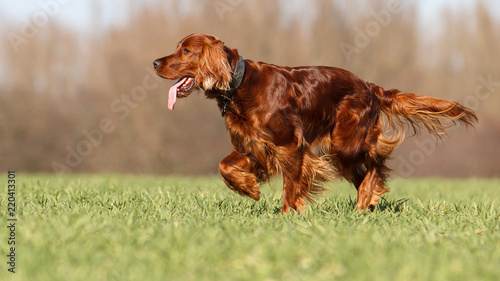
236	170
293	196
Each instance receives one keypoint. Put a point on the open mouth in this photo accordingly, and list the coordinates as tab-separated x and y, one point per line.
181	88
185	84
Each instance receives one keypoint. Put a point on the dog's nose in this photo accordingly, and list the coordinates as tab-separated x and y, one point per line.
156	63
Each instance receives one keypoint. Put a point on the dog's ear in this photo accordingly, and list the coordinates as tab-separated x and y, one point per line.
214	71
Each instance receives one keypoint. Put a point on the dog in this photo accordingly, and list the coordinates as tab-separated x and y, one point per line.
311	124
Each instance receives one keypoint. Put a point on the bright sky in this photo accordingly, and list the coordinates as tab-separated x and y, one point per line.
74	12
79	12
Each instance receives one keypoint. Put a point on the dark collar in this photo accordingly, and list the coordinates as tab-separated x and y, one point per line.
237	77
238	74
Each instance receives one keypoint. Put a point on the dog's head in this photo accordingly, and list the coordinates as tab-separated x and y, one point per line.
200	61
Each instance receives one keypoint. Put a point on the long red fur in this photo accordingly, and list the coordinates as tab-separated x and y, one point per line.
278	115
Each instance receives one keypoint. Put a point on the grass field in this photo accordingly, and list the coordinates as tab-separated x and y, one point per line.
114	227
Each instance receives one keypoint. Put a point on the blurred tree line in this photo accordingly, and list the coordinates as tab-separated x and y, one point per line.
88	101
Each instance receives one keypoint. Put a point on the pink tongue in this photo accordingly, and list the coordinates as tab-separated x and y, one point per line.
172	94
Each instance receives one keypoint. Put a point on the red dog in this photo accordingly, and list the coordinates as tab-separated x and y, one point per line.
276	115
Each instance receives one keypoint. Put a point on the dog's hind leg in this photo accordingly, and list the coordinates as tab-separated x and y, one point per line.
370	190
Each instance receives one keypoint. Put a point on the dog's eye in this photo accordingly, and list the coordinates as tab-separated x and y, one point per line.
186	51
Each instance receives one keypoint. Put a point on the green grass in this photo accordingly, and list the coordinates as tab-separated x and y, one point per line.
114	227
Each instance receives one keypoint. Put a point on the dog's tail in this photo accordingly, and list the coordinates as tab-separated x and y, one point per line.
437	115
